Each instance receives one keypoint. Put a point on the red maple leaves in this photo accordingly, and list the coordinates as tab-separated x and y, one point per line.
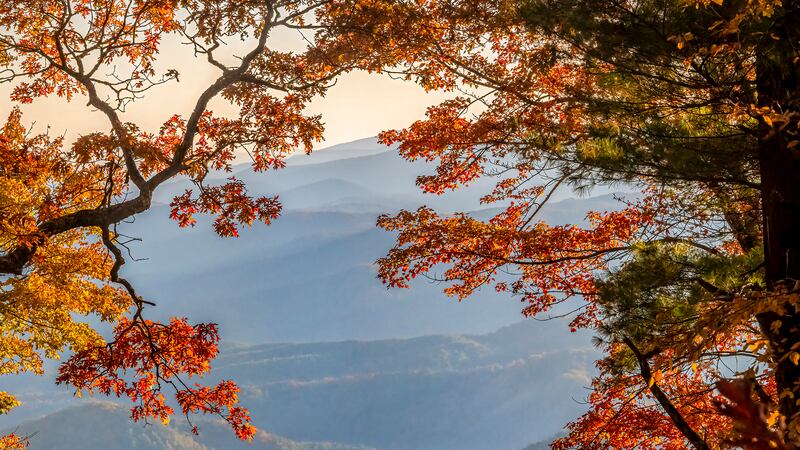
144	358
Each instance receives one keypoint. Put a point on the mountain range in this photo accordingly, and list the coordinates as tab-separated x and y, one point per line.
106	426
326	355
473	392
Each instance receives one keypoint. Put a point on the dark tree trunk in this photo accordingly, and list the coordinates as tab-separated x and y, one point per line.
778	88
781	206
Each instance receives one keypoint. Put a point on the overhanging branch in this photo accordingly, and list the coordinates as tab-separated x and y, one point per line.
677	418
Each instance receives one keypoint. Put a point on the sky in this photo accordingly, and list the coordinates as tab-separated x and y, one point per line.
359	105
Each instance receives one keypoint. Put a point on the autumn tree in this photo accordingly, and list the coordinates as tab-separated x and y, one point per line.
692	101
694	281
61	200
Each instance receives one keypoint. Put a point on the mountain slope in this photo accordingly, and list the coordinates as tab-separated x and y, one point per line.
378	168
496	391
351	374
354	149
447	392
325	194
308	277
107	426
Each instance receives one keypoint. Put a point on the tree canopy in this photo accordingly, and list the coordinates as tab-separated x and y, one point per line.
689	284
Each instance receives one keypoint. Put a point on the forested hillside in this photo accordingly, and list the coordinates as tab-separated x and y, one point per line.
495	391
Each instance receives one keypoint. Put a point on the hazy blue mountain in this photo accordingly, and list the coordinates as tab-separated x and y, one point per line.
355	149
542	445
325	194
308	277
107	426
570	210
378	168
356	371
496	391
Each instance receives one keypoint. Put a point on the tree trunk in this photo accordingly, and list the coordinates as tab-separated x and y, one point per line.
780	176
778	88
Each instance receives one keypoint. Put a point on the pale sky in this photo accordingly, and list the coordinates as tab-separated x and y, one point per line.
360	105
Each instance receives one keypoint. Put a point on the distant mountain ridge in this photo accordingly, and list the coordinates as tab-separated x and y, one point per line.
353	149
369	164
107	426
355	369
445	392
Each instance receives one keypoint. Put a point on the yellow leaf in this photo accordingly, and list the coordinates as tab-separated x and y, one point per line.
658	375
773	418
